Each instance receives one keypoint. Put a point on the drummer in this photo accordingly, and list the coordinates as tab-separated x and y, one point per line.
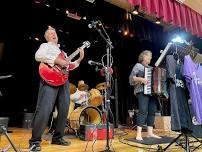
80	97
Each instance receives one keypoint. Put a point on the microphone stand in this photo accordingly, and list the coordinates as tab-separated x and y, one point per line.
109	46
3	130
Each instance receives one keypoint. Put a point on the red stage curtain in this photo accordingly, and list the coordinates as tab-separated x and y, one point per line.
174	13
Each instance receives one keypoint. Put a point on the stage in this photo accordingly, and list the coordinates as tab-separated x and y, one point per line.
119	143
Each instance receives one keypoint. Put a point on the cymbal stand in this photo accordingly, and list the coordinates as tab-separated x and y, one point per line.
103	93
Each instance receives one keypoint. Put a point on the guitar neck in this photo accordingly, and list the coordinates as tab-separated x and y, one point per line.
85	44
73	54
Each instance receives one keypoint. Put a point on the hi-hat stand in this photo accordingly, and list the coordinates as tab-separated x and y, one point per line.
109	46
3	130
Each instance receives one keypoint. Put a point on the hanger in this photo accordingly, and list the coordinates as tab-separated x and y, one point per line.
198	58
179	52
176	55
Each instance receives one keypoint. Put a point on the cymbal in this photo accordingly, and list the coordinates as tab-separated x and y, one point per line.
72	88
83	87
101	86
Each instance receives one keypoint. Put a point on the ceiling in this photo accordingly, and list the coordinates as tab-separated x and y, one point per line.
195	5
124	4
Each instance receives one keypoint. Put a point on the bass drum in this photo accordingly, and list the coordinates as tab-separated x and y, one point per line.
84	115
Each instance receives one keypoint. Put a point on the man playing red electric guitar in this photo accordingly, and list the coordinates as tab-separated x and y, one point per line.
50	54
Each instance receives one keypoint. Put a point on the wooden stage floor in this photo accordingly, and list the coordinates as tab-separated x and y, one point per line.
20	137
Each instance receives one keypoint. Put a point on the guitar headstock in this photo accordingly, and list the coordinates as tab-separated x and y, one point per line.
86	44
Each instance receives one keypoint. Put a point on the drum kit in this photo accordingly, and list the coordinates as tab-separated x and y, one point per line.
88	112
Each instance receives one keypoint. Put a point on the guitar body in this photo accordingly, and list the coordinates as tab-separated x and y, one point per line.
52	75
56	75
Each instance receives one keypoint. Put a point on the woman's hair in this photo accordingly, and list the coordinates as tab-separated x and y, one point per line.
46	32
142	54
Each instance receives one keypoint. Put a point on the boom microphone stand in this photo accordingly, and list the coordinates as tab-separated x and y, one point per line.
3	130
107	79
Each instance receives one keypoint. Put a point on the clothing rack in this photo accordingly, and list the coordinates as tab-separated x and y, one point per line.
181	51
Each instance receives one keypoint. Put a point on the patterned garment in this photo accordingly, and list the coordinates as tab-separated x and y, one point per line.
138	70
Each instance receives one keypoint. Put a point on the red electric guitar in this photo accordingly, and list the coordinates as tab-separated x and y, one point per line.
56	75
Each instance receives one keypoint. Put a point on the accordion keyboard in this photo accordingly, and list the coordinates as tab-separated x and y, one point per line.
148	76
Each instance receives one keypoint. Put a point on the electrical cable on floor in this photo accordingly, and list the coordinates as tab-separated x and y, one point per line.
94	137
91	135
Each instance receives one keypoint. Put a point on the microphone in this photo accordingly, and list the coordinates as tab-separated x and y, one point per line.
93	24
94	63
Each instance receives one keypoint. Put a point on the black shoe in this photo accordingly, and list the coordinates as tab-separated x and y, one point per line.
60	141
33	147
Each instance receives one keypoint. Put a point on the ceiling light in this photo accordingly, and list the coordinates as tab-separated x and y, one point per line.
67	12
158	21
36	38
177	39
91	1
180	1
84	18
136	10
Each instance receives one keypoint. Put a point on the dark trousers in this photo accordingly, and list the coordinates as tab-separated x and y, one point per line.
147	106
49	96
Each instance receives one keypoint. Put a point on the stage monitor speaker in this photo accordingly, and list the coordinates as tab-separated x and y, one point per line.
27	120
197	129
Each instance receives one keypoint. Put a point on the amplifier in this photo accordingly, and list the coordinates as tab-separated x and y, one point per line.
95	132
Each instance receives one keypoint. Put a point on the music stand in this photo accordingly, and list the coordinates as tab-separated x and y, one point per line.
3	130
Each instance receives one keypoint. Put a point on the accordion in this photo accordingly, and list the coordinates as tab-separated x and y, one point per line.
156	81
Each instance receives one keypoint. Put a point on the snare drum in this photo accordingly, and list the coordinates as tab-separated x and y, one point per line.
95	97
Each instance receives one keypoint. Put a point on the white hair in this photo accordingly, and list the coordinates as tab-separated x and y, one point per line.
142	54
46	32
